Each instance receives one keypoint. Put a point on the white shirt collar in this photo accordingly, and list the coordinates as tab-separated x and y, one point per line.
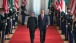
42	14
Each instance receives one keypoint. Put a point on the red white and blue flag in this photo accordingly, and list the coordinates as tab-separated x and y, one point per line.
16	6
73	7
5	5
59	5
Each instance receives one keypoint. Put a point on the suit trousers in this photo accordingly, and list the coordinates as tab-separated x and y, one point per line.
70	37
3	34
7	27
42	35
32	34
13	22
51	20
16	18
75	38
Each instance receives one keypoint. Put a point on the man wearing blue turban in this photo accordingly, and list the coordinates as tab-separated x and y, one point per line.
32	26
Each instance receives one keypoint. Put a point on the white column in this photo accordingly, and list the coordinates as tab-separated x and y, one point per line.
46	6
20	17
27	6
30	6
42	4
36	6
19	3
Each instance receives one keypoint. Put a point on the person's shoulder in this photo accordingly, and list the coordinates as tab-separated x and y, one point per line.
45	15
34	17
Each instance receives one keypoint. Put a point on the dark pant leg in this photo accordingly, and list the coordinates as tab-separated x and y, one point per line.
44	35
51	20
41	36
23	19
58	22
70	37
7	30
61	27
10	30
2	40
75	38
66	34
13	22
32	34
16	18
7	27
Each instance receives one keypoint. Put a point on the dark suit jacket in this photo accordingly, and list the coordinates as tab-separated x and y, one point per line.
32	23
42	23
22	7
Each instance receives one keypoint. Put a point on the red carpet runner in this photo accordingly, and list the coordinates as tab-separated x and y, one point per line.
22	35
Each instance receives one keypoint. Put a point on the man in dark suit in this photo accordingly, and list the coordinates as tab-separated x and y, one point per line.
32	25
43	24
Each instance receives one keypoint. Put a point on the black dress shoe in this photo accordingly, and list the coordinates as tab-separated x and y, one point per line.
65	39
7	38
42	42
32	42
61	34
10	33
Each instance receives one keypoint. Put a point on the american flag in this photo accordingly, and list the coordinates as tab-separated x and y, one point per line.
16	4
5	5
59	5
73	7
25	2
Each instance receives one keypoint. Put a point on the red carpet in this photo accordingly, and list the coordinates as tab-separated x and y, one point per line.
22	35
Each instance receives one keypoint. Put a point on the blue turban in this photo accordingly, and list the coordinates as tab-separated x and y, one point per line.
33	13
